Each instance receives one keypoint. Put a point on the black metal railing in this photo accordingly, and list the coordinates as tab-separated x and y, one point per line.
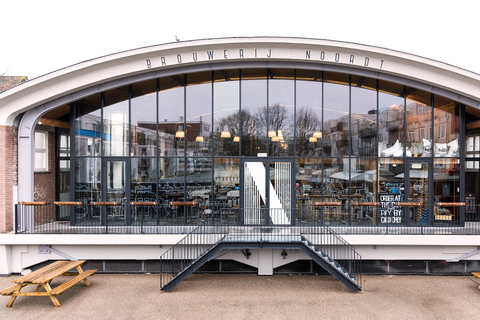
202	239
397	218
183	217
335	247
191	247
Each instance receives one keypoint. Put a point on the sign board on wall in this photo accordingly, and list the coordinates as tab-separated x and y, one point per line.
470	204
390	213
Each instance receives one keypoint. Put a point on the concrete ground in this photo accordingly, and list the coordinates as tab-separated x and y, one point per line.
247	296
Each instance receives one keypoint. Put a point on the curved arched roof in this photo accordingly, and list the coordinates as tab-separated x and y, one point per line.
73	82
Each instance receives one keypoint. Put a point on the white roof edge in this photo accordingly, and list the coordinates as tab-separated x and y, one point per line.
39	90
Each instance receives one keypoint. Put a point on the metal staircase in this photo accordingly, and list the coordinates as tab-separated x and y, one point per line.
330	251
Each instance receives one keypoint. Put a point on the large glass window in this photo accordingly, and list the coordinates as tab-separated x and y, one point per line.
88	128
364	117
419	123
116	122
308	121
171	179
391	115
254	112
446	179
143	179
41	151
472	151
88	180
63	158
227	131
446	129
335	184
472	191
364	190
144	119
391	181
352	139
198	133
336	113
308	188
199	176
281	113
171	116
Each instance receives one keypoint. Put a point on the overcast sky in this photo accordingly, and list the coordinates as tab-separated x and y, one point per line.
43	36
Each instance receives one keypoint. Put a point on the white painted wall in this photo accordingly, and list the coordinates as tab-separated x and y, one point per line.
21	251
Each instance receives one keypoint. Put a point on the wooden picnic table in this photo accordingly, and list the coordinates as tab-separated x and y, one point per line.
44	276
476	275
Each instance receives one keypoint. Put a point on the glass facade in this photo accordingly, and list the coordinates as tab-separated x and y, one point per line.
317	137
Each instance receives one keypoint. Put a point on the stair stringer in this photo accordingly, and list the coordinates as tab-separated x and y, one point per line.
330	265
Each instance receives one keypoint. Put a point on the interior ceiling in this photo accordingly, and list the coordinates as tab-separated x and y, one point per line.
58	113
441	103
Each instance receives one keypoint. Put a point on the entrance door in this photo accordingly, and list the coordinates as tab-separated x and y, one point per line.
116	189
418	181
267	192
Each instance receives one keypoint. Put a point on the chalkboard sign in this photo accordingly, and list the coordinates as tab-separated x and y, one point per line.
389	212
470	203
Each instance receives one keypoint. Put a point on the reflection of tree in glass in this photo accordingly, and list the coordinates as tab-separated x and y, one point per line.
307	123
280	122
226	146
252	130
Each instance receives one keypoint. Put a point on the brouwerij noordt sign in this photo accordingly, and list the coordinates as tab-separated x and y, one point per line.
262	53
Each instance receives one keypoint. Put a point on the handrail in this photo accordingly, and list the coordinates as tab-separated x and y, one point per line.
327	204
104	203
69	203
183	253
33	203
408	204
162	218
204	237
183	203
144	203
365	204
450	204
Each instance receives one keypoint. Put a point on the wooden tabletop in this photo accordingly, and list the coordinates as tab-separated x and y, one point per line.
451	204
182	203
49	272
69	203
143	203
327	204
42	203
104	203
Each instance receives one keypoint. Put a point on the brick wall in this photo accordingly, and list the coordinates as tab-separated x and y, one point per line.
8	175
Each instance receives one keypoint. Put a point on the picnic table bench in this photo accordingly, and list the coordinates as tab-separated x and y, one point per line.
44	276
476	275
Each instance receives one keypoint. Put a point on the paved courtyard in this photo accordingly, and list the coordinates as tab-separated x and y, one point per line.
247	296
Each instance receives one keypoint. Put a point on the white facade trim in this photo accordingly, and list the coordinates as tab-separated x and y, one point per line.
94	72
